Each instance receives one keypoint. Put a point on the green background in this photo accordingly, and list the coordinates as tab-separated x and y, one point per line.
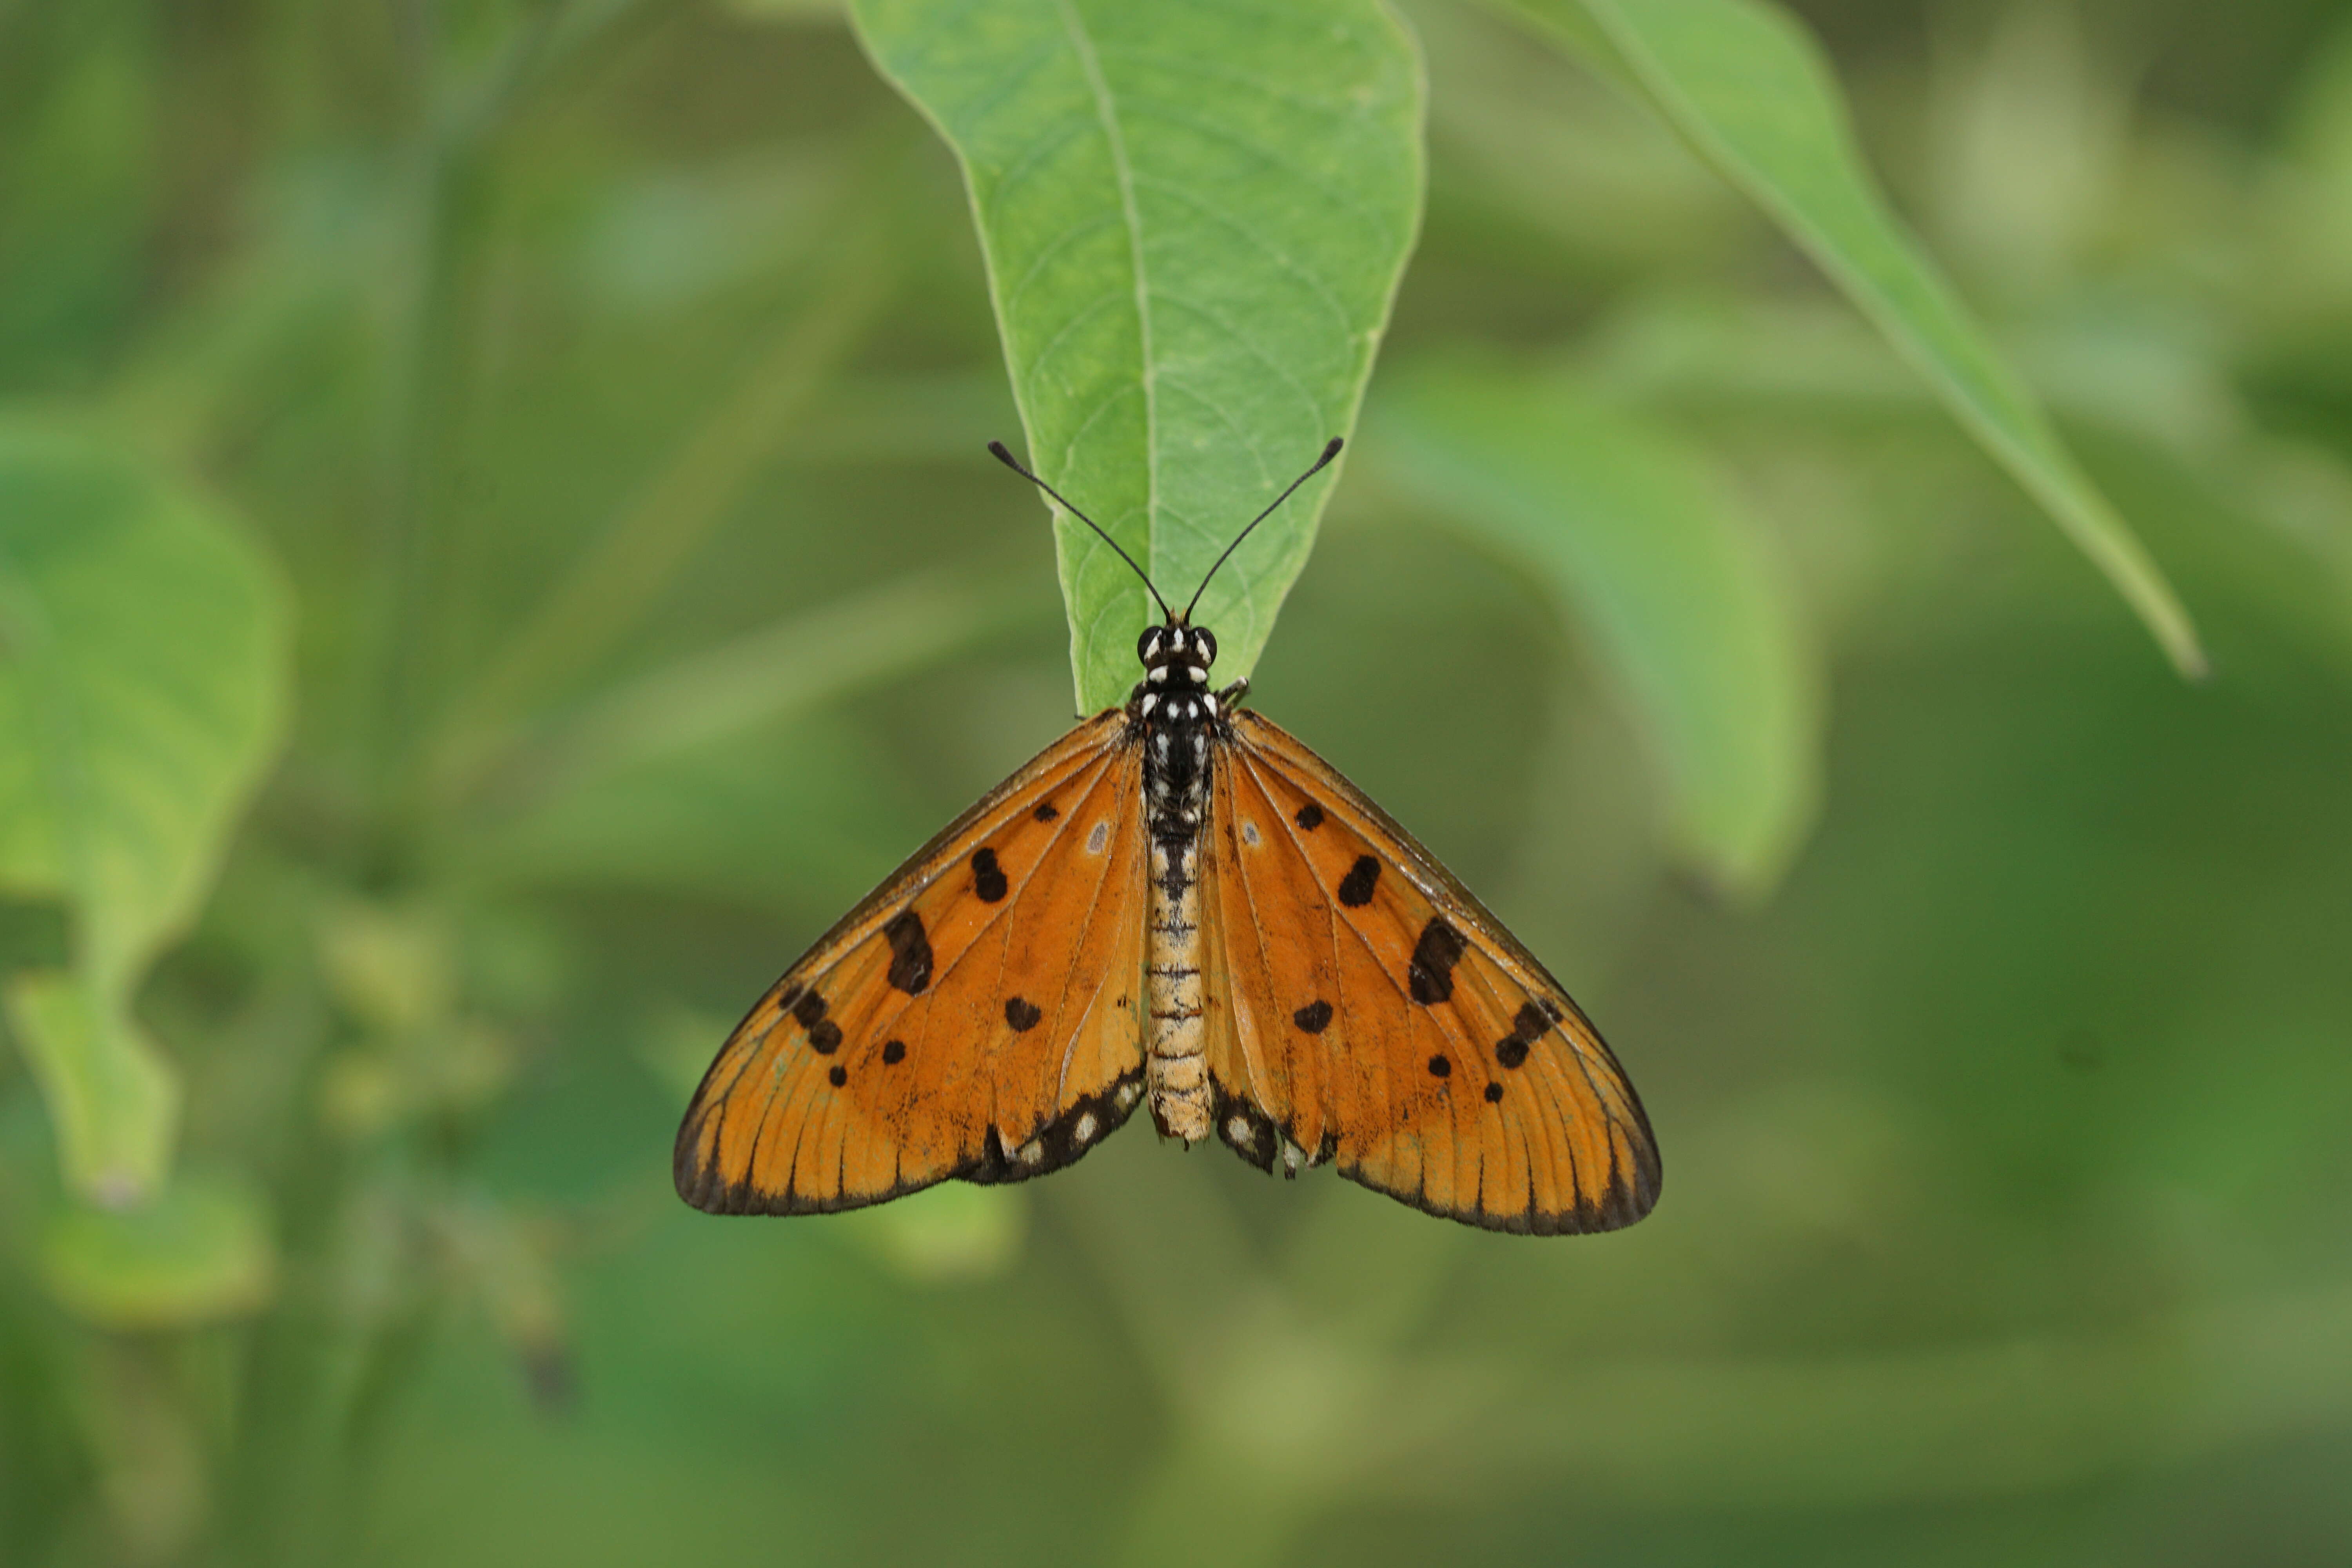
496	552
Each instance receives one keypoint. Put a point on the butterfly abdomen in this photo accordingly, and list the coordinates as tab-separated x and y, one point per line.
1175	716
1176	802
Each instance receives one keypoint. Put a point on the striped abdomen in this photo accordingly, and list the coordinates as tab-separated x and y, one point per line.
1176	809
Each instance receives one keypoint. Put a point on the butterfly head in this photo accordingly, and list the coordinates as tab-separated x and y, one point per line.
1177	654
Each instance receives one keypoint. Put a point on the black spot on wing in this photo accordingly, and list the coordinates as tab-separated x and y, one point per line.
1022	1015
1430	975
1356	887
894	1053
1494	1092
1530	1024
1439	1067
1045	813
1315	1017
911	952
988	877
825	1037
1310	817
809	1009
838	1076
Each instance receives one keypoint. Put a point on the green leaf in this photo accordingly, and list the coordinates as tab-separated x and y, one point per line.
1194	217
1676	589
142	673
198	1251
1747	86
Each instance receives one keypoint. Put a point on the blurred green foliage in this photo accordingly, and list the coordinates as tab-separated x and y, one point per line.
496	552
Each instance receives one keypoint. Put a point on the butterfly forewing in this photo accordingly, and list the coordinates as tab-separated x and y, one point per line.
975	1016
1366	1008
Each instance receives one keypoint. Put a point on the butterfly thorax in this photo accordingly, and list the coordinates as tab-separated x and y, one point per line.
1176	715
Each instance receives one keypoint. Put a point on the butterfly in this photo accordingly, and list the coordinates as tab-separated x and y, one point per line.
1175	905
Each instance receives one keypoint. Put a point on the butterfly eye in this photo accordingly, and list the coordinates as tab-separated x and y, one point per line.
1208	644
1147	647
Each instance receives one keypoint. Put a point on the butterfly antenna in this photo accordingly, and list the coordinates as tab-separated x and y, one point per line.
1329	452
1010	461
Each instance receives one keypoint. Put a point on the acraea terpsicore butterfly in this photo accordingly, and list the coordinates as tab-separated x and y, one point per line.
1179	905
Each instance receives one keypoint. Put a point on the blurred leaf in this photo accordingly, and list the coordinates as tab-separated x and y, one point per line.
1195	218
112	1096
197	1251
703	773
788	667
142	653
731	819
1747	84
1675	588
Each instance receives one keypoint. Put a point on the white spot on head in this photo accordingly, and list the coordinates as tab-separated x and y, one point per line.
1031	1153
1212	700
1176	641
1150	701
1157	673
1249	832
1151	646
1099	836
1198	672
1085	1129
1239	1130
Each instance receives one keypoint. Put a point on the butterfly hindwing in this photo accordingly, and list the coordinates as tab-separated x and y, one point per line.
977	1015
1366	1009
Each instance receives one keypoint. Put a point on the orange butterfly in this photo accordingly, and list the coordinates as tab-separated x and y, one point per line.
1175	903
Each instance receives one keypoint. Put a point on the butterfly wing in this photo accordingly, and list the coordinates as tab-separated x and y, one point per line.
1368	1009
975	1016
